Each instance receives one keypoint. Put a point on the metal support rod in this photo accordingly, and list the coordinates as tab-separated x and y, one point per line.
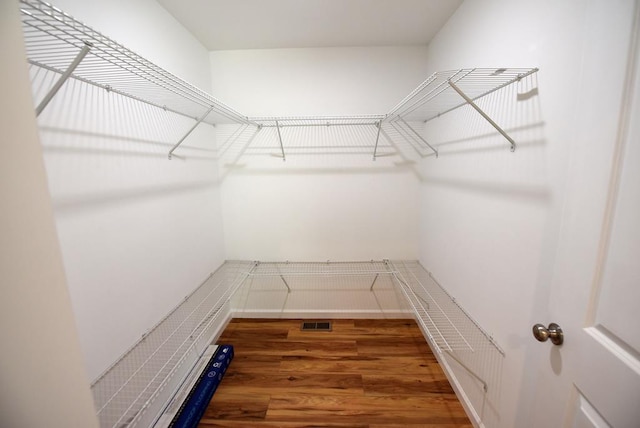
471	372
198	122
285	283
56	87
419	297
483	114
374	282
401	132
418	135
375	149
280	139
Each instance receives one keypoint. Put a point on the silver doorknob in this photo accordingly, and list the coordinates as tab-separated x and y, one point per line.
553	332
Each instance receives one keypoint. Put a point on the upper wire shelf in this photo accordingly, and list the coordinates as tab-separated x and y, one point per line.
437	96
59	43
294	121
54	40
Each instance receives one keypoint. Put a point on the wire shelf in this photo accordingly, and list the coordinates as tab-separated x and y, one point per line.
448	325
59	43
471	356
328	268
135	389
54	39
295	121
135	386
436	96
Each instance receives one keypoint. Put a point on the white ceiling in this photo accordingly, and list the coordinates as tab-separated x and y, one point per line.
271	24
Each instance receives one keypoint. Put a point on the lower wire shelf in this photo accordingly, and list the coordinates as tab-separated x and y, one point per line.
472	357
137	388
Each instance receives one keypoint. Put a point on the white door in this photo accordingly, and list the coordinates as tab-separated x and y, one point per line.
593	379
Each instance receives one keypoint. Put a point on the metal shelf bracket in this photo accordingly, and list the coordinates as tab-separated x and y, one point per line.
198	122
63	78
418	135
483	114
485	387
375	149
280	139
285	283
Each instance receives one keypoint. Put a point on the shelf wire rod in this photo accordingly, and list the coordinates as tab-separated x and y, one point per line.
408	291
413	93
346	273
132	348
144	75
280	140
483	114
402	132
415	294
129	61
141	67
375	148
374	282
519	76
195	125
98	38
423	315
418	135
437	305
285	283
453	299
207	321
165	341
110	89
485	387
433	93
322	119
318	125
63	78
230	141
215	308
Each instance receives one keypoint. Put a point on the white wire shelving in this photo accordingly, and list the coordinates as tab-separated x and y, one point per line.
445	91
137	387
59	43
132	391
280	123
450	328
472	356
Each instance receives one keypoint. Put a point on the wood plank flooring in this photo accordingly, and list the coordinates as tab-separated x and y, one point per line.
362	374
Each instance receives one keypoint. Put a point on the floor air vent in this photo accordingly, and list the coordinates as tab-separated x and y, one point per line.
316	326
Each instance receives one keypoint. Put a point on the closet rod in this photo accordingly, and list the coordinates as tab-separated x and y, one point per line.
56	87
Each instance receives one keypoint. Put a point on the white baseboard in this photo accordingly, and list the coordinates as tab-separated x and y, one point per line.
327	314
475	419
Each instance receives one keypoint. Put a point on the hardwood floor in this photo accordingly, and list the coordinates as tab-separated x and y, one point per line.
362	374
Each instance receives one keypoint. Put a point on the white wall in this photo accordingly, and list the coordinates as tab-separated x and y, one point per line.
138	232
329	200
42	378
149	30
319	81
489	218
